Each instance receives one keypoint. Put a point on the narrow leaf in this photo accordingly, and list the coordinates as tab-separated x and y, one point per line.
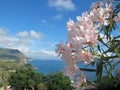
88	70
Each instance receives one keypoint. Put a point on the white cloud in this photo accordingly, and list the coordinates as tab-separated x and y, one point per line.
6	40
23	49
28	38
42	54
3	32
58	16
51	53
28	43
23	34
48	54
30	34
62	4
35	34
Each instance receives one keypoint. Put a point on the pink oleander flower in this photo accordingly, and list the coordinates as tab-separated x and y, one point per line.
65	52
100	12
67	57
83	33
80	80
87	57
70	25
71	70
90	37
73	30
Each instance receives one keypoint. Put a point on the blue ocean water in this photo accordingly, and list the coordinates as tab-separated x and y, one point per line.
48	66
52	66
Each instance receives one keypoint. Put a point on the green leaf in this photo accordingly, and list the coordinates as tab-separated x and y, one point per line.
101	40
116	37
113	46
99	69
99	48
88	69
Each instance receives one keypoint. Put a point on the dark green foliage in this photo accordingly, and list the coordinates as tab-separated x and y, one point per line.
25	77
58	81
1	84
107	83
41	86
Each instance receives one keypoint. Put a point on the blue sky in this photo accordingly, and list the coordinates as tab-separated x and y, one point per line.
35	26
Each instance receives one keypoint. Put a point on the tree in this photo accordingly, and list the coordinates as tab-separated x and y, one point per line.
57	81
25	78
41	86
39	79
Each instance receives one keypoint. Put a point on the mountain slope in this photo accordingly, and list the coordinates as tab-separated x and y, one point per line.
11	54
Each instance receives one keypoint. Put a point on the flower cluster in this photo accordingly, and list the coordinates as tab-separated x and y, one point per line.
81	34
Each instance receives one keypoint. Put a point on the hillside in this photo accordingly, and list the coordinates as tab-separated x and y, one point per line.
10	60
11	54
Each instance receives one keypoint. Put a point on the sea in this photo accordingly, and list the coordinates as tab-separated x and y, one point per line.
52	66
48	66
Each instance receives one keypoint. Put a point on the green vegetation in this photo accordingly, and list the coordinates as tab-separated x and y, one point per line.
107	83
26	78
41	86
57	81
10	60
22	76
9	65
6	68
1	84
